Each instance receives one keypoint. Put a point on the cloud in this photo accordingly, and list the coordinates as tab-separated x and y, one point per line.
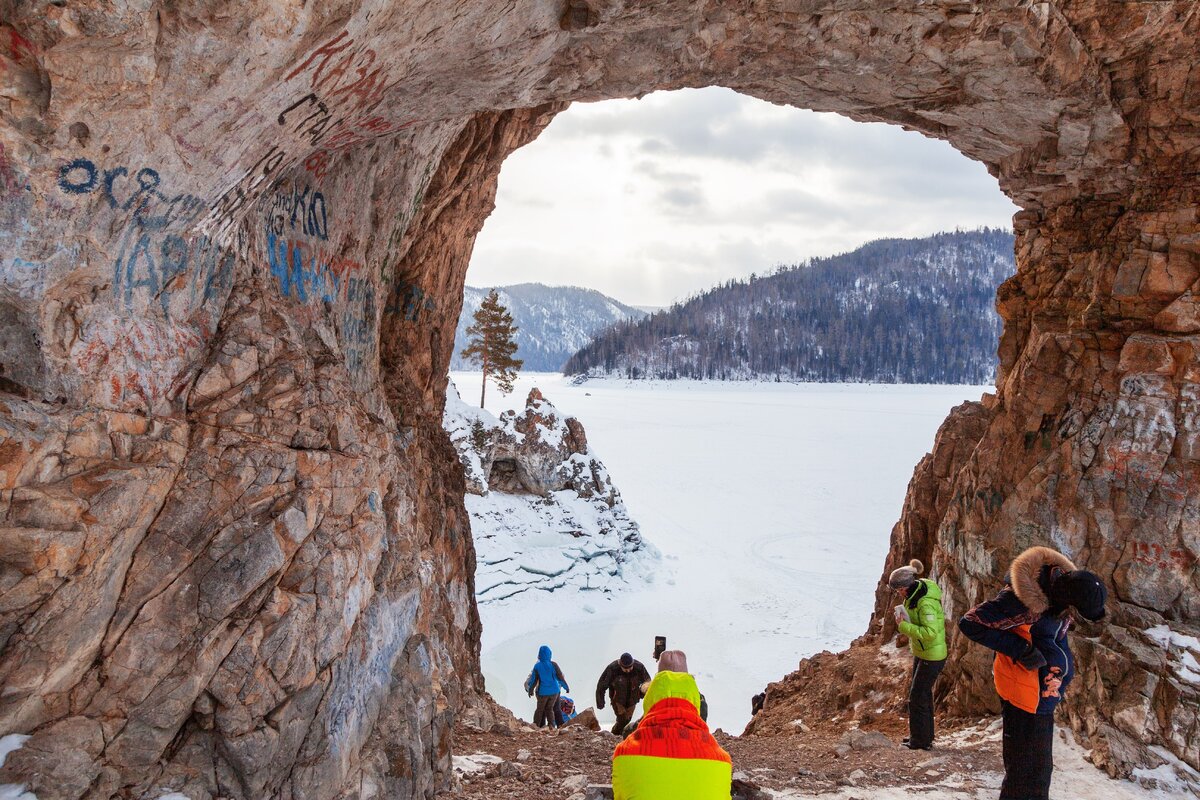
653	199
681	199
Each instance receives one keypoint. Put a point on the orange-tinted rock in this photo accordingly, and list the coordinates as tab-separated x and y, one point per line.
249	230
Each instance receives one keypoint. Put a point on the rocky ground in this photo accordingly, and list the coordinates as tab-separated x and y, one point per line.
820	735
558	765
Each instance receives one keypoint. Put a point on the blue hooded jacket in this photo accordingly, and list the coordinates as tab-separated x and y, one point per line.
546	676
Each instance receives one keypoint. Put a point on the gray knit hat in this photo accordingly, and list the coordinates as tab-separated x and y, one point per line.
906	576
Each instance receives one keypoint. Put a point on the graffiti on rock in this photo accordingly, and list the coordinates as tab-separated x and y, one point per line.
1153	554
358	324
345	72
155	261
302	272
411	301
145	361
1142	475
225	209
17	48
198	267
345	86
299	209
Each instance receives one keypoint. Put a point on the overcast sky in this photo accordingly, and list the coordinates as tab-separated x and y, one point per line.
651	200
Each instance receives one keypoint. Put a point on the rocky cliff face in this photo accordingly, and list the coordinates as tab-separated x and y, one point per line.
234	553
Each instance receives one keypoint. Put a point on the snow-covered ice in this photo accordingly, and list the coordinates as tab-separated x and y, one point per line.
772	505
1074	777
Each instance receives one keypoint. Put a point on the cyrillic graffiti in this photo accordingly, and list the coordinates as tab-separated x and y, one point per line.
302	272
163	266
151	258
299	205
343	70
358	324
342	77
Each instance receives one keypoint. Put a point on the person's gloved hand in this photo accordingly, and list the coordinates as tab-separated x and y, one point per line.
600	704
529	692
1032	659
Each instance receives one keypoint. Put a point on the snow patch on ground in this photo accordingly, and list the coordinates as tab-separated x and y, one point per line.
1182	651
1074	777
13	791
11	743
476	762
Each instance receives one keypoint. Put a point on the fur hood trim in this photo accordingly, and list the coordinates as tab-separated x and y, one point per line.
1027	568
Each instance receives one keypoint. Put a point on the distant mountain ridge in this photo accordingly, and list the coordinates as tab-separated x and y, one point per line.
892	311
553	321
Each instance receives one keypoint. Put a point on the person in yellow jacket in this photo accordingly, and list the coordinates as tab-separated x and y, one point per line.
671	755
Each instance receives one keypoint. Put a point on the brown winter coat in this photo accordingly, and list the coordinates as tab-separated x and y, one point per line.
625	688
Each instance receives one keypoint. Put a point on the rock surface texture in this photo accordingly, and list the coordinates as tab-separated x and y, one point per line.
235	561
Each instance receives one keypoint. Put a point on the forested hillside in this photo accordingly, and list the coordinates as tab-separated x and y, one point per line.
894	310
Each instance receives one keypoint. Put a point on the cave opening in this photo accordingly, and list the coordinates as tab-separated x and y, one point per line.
228	416
770	500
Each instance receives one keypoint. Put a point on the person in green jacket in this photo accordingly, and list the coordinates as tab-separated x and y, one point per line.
921	619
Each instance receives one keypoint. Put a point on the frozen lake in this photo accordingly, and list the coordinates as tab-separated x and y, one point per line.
772	505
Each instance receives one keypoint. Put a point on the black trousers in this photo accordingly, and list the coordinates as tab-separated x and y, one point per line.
1028	754
547	711
920	701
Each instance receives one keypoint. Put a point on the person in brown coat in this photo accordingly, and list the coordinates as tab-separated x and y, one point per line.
622	680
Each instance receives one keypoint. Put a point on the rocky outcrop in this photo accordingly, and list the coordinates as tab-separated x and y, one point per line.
234	239
539	451
544	512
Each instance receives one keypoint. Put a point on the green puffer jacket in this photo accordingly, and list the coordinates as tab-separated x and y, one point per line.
926	630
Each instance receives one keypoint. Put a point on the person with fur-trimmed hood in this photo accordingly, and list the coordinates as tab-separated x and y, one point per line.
921	619
1027	624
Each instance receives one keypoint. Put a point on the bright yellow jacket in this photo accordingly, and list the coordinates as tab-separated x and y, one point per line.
671	755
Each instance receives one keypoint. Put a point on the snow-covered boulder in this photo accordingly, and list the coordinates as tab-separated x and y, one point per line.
544	512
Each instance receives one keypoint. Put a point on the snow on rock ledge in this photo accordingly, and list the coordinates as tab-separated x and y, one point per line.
544	512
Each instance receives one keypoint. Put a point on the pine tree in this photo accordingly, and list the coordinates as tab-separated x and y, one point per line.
491	342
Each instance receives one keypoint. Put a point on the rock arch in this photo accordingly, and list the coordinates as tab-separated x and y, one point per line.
235	560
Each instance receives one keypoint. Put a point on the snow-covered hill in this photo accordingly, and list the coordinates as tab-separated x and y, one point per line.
545	515
553	321
892	311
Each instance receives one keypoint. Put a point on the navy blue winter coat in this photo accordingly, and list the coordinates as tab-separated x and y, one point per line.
1022	617
546	677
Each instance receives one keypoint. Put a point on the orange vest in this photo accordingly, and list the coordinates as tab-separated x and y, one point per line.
1014	683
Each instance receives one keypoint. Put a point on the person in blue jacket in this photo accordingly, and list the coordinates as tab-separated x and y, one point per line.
548	681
